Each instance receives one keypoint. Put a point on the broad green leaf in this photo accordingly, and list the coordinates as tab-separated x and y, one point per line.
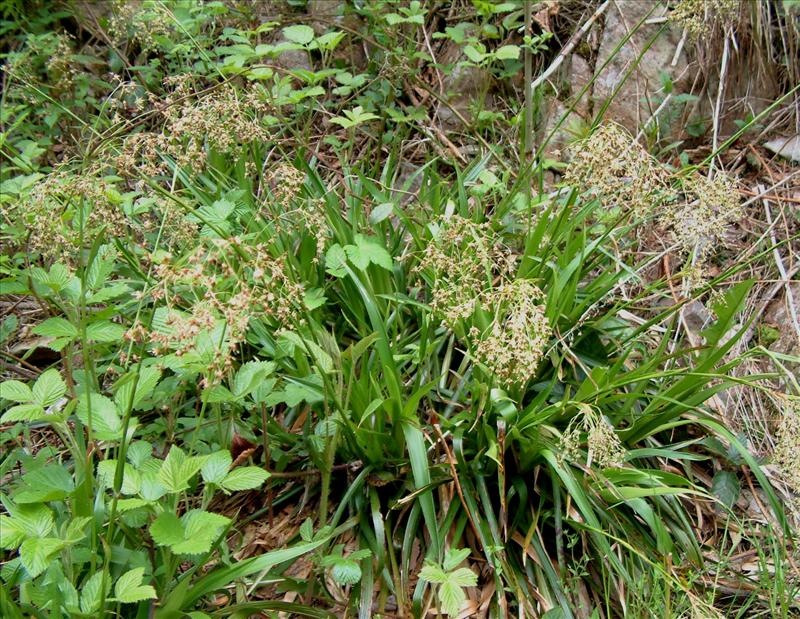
56	327
101	414
126	505
726	487
35	520
452	598
23	412
250	375
216	466
244	478
300	34
15	391
463	577
217	394
139	452
131	392
105	331
35	553
374	252
49	388
91	592
129	587
381	212
346	572
167	529
453	558
131	478
12	534
433	573
49	483
335	259
177	470
507	52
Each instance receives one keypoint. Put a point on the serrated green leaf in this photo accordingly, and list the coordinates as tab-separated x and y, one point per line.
139	452
15	391
49	483
23	412
307	530
35	520
56	327
346	572
463	577
453	558
374	253
250	375
105	331
217	394
244	478
131	478
35	553
167	529
124	394
48	388
726	487
126	505
177	470
507	52
129	588
12	534
216	466
452	598
432	573
335	259
300	34
91	593
101	414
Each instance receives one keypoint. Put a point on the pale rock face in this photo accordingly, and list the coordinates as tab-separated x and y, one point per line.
785	147
641	94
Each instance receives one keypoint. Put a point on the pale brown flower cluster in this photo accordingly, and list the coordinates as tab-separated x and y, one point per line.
174	229
66	209
464	258
603	446
222	120
514	344
618	170
787	449
290	211
141	22
693	211
699	217
700	16
215	292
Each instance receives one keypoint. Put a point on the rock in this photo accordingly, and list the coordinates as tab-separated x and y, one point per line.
785	147
292	59
642	93
466	85
577	74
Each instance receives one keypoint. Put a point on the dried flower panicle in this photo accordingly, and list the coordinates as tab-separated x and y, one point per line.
787	449
699	17
215	293
515	342
699	220
603	446
140	22
464	258
65	208
618	170
290	211
223	120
